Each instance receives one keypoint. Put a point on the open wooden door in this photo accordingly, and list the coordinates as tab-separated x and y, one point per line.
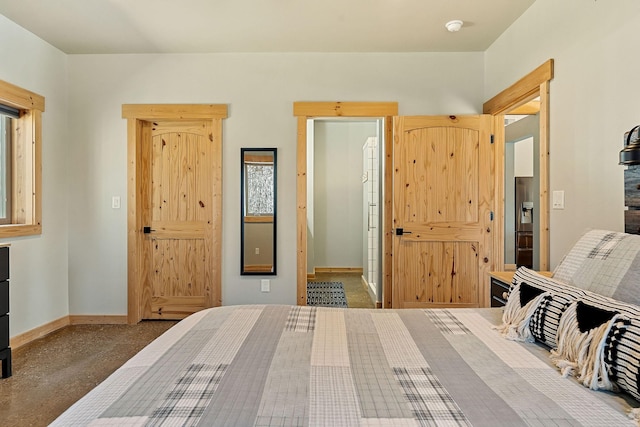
442	214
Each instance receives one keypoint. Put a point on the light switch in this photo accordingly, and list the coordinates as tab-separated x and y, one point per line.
115	202
265	285
558	199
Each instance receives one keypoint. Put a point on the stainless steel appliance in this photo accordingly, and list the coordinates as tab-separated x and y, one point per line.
524	221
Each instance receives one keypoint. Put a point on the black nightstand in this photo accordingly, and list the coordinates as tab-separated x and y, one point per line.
500	284
5	350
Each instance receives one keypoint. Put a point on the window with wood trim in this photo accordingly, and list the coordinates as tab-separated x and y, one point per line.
20	161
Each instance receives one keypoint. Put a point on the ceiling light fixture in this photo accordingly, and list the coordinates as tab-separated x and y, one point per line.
454	25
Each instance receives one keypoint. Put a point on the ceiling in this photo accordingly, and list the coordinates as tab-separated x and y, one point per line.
202	26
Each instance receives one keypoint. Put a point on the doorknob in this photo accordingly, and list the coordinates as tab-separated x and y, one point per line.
147	230
400	232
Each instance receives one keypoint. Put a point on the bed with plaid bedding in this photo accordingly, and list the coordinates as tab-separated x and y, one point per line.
271	365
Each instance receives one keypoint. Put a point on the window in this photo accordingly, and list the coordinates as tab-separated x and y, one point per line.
20	161
6	131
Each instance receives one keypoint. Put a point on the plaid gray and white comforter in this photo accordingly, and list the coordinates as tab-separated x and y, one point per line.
267	365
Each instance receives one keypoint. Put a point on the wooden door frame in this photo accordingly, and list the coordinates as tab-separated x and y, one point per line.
309	110
534	84
136	115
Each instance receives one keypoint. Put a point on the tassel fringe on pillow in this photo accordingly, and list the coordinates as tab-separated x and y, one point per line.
516	319
583	353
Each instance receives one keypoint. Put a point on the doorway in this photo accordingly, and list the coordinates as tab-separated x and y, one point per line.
529	95
343	202
306	111
522	184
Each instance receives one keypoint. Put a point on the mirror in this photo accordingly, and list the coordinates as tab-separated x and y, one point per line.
258	211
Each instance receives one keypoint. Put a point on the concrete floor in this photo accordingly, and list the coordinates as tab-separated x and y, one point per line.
355	291
52	373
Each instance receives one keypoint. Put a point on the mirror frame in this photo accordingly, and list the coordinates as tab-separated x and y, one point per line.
274	152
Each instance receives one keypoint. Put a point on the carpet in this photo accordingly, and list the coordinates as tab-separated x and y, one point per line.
326	294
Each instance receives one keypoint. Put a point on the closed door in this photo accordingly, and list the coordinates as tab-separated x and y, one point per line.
179	233
442	213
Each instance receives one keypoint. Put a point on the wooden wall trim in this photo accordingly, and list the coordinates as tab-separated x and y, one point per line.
301	213
521	91
73	319
387	217
545	242
17	97
345	109
39	332
174	111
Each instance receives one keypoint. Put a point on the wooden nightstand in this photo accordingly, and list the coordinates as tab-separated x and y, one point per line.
500	284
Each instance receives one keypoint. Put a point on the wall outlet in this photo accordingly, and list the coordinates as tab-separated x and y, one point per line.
257	251
265	285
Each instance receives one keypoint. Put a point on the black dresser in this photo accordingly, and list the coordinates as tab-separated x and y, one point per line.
5	350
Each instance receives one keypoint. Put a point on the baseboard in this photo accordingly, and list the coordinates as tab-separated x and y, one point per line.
98	320
39	332
43	330
338	270
311	276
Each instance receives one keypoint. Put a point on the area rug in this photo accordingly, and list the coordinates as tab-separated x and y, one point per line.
326	294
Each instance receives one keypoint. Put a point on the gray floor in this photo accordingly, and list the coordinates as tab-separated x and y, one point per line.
355	291
52	373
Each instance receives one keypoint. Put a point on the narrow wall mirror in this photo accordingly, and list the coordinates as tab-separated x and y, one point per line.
258	211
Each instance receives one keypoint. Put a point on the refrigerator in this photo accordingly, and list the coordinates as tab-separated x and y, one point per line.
524	221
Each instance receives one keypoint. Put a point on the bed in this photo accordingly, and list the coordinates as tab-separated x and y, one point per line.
270	365
278	365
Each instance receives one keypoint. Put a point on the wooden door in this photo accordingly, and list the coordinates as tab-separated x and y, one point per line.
178	240
442	214
174	154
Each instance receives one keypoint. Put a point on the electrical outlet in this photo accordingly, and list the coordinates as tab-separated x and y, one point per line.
265	285
257	251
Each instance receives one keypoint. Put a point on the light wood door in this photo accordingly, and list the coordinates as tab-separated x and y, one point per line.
179	237
442	214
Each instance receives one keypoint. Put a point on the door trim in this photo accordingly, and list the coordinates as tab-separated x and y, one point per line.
136	114
534	84
308	110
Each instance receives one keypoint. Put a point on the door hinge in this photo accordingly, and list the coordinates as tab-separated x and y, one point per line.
492	138
491	216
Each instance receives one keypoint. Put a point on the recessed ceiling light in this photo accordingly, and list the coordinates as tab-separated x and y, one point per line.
454	25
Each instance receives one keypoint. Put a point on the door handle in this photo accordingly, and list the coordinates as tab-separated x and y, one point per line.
401	231
147	230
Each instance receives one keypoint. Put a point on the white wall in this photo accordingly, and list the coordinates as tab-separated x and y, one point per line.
38	266
339	192
595	45
260	90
